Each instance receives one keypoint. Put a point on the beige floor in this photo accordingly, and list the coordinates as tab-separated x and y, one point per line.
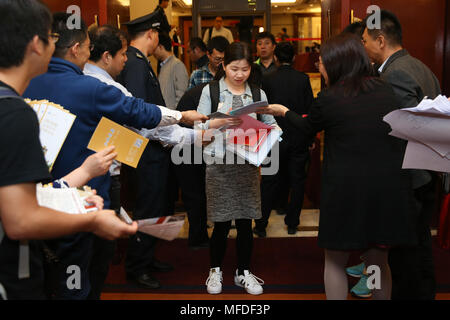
309	222
309	226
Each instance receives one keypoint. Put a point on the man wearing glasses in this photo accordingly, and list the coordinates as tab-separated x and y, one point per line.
216	52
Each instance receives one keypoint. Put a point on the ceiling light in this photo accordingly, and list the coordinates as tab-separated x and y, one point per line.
189	2
283	1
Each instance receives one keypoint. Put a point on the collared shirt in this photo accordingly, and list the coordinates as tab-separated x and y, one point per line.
380	70
272	67
165	61
199	76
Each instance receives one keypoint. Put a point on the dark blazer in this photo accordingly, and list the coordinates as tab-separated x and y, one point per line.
366	197
410	79
292	89
140	79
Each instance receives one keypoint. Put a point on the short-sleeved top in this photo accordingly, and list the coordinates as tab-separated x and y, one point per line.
21	161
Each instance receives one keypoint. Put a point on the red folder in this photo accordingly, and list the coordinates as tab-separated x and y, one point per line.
250	133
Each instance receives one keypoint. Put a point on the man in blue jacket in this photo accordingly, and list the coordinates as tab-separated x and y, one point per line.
89	99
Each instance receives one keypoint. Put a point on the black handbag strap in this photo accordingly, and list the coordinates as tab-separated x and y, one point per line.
214	93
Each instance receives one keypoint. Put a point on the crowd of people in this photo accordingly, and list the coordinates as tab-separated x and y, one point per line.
367	201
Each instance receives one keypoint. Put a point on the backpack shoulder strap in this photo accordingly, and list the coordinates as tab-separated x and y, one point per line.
256	96
214	92
256	93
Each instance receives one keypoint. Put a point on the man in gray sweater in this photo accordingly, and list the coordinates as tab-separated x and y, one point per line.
173	76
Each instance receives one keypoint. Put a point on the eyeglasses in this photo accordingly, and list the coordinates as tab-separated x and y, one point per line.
54	36
217	59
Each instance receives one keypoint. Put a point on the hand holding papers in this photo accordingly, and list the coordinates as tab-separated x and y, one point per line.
427	129
166	228
69	200
55	123
129	145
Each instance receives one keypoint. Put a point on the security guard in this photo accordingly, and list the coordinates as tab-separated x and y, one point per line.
151	175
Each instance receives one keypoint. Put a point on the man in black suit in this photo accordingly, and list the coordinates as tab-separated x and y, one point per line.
412	268
292	89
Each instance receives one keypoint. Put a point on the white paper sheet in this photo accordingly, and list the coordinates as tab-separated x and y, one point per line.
66	200
167	228
427	130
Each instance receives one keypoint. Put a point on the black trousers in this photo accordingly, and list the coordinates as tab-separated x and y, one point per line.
413	276
293	161
103	250
151	201
191	179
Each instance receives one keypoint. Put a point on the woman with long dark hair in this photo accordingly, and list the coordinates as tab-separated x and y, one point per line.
232	190
366	200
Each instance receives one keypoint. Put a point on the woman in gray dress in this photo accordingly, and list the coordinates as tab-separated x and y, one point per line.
232	190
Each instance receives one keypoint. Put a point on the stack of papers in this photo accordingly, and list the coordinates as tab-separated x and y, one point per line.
250	135
251	141
55	123
68	200
427	129
167	228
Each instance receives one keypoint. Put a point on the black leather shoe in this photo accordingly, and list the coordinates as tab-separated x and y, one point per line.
260	233
159	266
292	230
146	280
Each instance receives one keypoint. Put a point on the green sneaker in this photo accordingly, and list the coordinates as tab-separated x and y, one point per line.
360	290
356	271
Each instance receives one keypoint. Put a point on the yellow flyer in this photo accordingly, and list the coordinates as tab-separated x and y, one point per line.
129	145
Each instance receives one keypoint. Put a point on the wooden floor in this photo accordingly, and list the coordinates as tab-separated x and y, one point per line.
156	296
308	228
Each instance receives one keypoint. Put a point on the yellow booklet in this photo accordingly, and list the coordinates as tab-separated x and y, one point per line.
129	145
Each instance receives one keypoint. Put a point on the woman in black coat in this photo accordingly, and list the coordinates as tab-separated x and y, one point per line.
367	201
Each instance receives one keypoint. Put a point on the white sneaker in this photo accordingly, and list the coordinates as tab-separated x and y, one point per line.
250	282
214	281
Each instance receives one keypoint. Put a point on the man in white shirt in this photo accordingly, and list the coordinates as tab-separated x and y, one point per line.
173	76
218	30
107	60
